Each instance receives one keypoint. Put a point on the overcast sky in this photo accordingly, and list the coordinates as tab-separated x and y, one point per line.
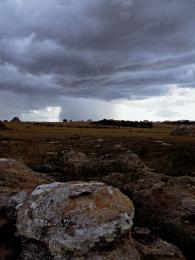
81	59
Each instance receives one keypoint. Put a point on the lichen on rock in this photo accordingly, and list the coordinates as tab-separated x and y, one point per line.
78	219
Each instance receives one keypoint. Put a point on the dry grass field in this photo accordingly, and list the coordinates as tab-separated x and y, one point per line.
35	143
61	131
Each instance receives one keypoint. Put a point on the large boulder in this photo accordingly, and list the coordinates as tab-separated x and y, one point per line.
77	220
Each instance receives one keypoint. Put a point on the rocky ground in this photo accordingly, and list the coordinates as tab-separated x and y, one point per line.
95	206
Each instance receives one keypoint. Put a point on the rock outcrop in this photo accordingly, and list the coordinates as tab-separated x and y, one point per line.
76	220
90	220
168	204
152	247
78	166
163	203
16	176
16	180
85	220
74	162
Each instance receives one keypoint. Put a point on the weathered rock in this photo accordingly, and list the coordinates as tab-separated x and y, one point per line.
162	202
183	130
115	179
143	235
9	244
74	162
130	162
75	165
54	216
76	220
169	205
16	176
15	180
152	247
166	204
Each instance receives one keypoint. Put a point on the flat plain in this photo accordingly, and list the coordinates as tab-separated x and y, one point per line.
33	143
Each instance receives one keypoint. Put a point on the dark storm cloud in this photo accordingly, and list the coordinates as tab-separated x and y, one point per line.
96	48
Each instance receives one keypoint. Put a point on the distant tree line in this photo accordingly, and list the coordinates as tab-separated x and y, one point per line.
123	123
183	122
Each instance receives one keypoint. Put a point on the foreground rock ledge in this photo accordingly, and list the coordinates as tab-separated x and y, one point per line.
16	176
76	219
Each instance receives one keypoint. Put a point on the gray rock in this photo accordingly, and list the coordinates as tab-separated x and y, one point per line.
158	249
78	219
75	161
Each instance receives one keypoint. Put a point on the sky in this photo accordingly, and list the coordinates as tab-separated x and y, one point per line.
94	59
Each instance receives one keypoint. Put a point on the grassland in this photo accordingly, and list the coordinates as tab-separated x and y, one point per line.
60	131
35	143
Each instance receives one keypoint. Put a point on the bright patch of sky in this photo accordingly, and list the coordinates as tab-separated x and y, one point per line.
49	114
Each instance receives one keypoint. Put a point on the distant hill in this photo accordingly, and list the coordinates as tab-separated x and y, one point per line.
15	120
